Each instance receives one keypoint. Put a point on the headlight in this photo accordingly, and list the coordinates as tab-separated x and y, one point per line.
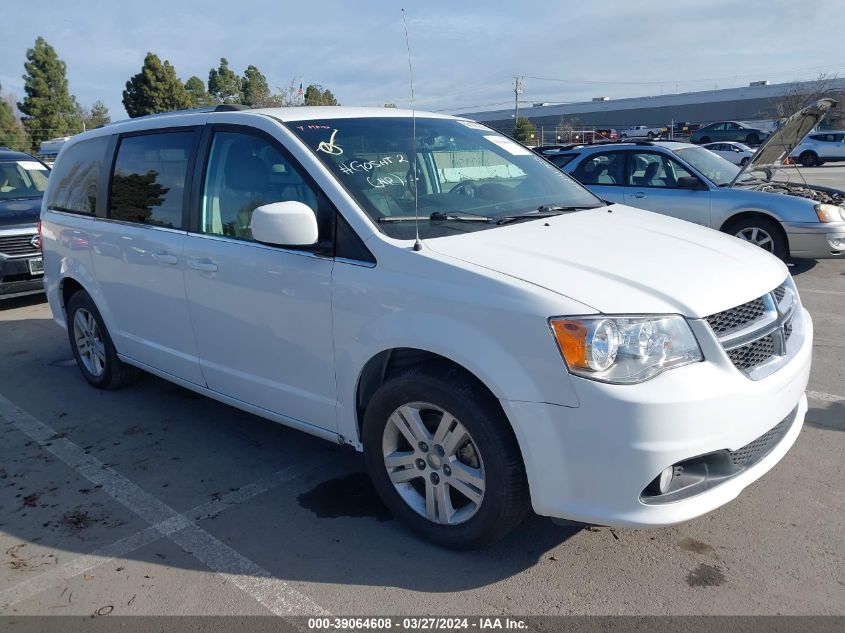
624	349
830	213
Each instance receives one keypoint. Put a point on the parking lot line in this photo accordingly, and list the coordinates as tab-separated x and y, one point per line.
821	292
825	397
278	596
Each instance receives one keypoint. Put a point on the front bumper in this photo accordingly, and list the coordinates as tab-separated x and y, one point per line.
815	240
592	463
16	280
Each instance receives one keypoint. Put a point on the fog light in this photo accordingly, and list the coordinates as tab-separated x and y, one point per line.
665	480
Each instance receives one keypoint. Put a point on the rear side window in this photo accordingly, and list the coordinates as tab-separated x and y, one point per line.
560	159
76	177
148	184
602	169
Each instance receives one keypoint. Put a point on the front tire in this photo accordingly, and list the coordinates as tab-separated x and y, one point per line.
752	139
762	232
809	159
443	457
704	140
92	346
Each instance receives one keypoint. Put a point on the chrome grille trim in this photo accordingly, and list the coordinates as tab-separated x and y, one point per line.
754	335
18	244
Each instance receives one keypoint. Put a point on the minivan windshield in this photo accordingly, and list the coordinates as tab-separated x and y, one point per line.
468	176
22	179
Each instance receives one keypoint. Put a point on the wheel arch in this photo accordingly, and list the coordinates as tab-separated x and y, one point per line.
387	363
738	216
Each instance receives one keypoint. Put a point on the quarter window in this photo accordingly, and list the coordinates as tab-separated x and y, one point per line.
148	185
76	177
656	170
602	169
246	171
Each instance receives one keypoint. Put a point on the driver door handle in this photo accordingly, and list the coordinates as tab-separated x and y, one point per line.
205	265
639	194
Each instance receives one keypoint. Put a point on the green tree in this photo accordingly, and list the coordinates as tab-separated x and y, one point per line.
256	90
315	95
12	133
523	131
49	109
197	93
93	117
224	85
155	89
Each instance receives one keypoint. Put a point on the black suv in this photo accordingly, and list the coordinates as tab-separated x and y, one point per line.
23	179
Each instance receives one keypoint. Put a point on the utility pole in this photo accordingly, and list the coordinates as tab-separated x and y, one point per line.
517	90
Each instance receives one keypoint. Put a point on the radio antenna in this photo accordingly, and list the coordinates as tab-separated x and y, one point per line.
417	242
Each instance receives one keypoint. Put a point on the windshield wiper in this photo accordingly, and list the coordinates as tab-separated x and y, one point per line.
437	216
543	211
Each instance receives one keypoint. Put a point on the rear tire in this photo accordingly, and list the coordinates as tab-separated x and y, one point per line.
762	232
424	483
704	140
744	161
92	346
809	159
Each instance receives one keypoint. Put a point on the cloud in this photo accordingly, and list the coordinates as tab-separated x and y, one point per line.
464	54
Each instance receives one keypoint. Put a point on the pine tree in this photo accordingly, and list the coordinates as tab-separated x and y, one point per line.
155	89
224	85
256	90
316	96
12	133
93	117
197	93
49	109
523	131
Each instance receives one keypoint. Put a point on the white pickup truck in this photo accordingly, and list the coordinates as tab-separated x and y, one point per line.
642	131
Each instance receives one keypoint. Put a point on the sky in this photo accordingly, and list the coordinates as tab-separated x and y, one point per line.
465	54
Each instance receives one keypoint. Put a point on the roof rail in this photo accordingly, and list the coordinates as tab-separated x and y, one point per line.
231	107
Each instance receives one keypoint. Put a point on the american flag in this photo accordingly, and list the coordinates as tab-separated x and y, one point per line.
299	92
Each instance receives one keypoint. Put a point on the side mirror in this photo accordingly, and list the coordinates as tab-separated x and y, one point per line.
285	224
690	182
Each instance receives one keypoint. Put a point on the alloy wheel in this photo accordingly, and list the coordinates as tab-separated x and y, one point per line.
758	237
433	463
89	343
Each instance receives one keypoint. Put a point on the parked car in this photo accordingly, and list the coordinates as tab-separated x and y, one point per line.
684	128
600	134
23	179
558	155
729	131
692	183
488	332
642	131
819	148
736	153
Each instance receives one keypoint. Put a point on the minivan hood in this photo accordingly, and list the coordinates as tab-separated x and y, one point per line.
19	212
768	157
621	260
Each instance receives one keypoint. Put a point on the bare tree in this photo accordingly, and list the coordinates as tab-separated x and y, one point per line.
803	94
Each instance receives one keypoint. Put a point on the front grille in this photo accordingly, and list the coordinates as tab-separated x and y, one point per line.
17	245
736	318
756	450
757	331
755	353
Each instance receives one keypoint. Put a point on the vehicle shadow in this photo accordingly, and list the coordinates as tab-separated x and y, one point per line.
828	415
22	302
801	266
187	450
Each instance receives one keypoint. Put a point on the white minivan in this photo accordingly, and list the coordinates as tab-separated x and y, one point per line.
489	333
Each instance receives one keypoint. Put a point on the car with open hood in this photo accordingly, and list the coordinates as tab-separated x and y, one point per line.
788	219
23	179
490	334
